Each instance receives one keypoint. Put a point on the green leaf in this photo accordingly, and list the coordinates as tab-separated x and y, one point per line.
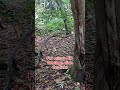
77	88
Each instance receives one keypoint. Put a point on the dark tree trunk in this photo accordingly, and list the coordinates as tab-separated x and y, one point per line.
78	9
66	26
107	59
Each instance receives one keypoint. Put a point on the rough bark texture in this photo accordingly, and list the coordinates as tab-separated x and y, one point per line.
107	59
78	9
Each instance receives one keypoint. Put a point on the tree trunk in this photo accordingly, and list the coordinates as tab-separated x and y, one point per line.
66	26
65	20
107	58
78	9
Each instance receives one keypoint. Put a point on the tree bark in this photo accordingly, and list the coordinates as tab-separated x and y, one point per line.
78	9
107	58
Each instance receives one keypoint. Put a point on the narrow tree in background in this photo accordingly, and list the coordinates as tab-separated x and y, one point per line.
60	4
78	10
107	60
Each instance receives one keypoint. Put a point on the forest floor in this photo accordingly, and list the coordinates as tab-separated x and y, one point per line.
46	78
52	79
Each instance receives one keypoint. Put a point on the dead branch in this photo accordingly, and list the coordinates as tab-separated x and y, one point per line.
51	36
46	40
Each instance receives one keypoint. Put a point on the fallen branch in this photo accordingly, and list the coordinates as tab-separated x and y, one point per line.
46	40
51	36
